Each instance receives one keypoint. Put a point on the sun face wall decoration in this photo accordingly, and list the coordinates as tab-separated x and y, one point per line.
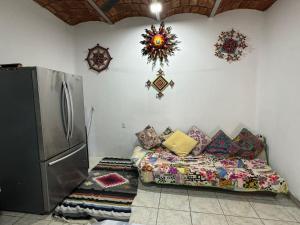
230	45
98	58
159	44
160	84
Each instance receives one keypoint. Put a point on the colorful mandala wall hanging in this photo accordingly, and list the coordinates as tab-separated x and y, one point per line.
159	44
230	45
160	84
98	58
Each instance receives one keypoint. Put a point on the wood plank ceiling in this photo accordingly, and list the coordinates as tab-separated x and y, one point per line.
111	11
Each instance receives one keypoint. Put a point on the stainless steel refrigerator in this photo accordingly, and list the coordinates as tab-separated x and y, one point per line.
43	153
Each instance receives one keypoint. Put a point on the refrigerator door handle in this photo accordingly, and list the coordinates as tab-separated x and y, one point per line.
71	110
67	156
63	109
67	97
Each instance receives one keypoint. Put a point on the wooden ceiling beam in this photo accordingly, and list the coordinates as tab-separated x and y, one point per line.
99	11
216	7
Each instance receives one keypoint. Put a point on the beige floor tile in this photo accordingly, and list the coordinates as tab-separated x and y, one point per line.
174	201
277	222
201	193
271	210
294	210
146	199
284	200
254	196
78	222
8	220
232	220
70	221
57	223
174	190
172	217
149	187
232	195
31	221
38	217
89	223
208	219
145	216
10	213
205	204
235	207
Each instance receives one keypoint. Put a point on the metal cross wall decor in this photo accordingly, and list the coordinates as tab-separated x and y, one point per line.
160	84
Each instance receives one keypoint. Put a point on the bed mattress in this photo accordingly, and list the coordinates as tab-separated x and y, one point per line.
163	167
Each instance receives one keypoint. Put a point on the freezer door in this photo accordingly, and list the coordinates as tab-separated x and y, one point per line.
51	111
75	89
63	174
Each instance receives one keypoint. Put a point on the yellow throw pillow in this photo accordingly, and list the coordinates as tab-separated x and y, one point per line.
180	143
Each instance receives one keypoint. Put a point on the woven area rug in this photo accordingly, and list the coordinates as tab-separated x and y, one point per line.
107	193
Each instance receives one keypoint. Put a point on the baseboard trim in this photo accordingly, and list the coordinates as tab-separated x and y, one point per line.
294	199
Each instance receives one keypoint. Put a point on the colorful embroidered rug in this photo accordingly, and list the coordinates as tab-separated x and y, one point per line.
107	193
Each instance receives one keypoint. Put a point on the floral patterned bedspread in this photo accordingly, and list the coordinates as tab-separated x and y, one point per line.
163	167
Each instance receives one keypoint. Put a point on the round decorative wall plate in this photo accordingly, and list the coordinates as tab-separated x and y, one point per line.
98	58
230	45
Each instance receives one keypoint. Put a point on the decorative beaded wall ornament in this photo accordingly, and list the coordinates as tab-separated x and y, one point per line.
159	44
230	45
98	58
160	84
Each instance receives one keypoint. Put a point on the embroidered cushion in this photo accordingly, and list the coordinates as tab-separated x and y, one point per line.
250	145
138	154
166	134
201	137
180	143
148	138
222	146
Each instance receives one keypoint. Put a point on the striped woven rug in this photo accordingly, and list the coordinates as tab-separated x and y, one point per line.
107	193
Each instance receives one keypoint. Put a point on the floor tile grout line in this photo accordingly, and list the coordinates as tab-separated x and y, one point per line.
175	210
17	220
158	206
290	213
279	221
222	209
249	217
262	222
148	207
190	207
292	216
252	206
208	213
178	210
254	218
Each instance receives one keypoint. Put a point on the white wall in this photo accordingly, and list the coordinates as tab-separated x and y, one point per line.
278	90
34	37
208	92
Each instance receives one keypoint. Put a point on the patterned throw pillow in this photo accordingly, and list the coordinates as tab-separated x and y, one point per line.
201	137
222	146
148	138
166	134
138	154
250	145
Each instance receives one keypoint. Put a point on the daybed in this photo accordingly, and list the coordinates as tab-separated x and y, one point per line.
164	167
